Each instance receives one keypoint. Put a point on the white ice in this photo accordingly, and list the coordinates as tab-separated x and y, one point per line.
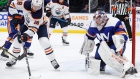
72	63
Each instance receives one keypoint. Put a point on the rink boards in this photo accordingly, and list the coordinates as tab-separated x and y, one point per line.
78	22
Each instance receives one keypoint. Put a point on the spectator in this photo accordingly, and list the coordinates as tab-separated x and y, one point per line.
93	5
137	3
106	7
86	9
2	5
113	2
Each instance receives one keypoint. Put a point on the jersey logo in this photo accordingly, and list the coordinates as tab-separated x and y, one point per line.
103	37
58	11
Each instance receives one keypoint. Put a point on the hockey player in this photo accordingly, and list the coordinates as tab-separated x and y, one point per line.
34	20
58	11
12	34
112	37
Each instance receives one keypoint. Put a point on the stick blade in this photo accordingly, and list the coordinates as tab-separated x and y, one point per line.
33	77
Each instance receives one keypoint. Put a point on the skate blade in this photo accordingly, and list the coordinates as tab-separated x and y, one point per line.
4	58
65	44
33	77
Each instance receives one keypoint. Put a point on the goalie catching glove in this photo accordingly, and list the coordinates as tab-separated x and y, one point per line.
87	46
23	38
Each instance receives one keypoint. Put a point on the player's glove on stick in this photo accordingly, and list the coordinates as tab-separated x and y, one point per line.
68	21
48	13
23	38
16	19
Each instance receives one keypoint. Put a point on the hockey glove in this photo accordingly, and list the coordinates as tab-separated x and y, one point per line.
48	13
23	38
16	19
68	21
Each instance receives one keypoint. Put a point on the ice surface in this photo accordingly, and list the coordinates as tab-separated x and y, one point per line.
71	62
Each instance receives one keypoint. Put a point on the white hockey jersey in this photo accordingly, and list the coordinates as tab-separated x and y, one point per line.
60	10
32	19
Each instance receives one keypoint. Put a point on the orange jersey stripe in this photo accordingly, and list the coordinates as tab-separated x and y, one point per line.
93	36
120	32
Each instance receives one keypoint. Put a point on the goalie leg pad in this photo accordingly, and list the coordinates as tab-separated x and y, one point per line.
94	66
87	46
110	58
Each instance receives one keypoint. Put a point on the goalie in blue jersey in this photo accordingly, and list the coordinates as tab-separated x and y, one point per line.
112	43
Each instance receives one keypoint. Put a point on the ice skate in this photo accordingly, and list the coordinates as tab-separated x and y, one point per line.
130	71
11	62
65	43
102	70
55	64
4	56
29	53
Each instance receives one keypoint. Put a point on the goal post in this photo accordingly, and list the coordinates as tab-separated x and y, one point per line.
133	34
136	36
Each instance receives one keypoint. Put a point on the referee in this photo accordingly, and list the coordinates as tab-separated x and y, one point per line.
121	10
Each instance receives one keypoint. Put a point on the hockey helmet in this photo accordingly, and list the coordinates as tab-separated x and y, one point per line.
36	4
100	18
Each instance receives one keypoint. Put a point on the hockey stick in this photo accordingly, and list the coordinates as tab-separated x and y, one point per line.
18	58
82	27
9	53
28	66
66	21
9	40
27	62
59	19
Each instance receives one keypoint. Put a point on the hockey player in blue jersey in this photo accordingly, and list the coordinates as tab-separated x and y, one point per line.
12	34
58	11
112	43
35	22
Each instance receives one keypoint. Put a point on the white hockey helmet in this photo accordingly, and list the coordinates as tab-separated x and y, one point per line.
36	4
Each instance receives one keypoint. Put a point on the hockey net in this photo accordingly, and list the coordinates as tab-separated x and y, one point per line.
136	37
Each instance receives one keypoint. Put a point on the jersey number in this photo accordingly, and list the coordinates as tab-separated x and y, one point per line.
36	22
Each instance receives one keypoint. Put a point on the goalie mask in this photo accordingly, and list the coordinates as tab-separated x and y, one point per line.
100	19
36	5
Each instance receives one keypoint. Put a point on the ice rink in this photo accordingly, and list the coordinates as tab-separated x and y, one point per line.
71	61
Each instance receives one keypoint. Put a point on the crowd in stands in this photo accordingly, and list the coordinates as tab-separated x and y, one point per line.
4	5
80	6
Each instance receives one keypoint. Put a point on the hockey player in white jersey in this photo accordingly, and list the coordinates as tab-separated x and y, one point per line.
36	23
112	43
58	11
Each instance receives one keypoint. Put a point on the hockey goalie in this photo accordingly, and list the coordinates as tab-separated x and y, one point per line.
110	49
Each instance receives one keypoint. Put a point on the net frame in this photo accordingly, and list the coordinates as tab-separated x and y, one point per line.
133	35
136	36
